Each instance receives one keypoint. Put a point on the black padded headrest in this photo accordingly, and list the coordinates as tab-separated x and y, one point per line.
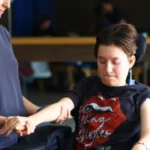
141	47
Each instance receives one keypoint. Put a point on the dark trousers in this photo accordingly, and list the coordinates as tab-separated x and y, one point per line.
44	138
71	142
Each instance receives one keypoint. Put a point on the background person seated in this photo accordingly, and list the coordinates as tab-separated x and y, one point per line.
107	14
44	27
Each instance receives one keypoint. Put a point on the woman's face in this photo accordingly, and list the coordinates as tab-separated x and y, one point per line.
113	65
4	4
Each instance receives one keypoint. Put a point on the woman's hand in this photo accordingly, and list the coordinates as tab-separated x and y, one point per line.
64	115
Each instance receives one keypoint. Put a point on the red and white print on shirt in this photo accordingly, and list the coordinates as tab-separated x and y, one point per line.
98	119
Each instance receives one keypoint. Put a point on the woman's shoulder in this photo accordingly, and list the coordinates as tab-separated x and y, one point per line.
141	88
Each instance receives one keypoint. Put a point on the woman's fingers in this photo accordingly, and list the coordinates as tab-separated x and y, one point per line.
69	114
62	115
66	115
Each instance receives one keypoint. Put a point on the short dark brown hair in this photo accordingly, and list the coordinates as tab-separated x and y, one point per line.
121	35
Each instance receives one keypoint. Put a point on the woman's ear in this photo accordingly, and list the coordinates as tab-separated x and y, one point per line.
132	60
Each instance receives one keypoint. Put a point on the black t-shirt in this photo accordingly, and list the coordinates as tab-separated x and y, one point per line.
107	117
11	103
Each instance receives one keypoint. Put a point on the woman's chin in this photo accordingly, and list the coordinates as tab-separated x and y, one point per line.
109	82
112	83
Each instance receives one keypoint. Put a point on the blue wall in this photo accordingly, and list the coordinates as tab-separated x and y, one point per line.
26	12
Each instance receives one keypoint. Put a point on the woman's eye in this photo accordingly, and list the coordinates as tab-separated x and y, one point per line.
116	62
102	62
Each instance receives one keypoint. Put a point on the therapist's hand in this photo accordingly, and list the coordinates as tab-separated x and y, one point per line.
21	125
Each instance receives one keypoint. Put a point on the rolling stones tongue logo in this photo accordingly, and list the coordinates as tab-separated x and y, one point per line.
98	119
